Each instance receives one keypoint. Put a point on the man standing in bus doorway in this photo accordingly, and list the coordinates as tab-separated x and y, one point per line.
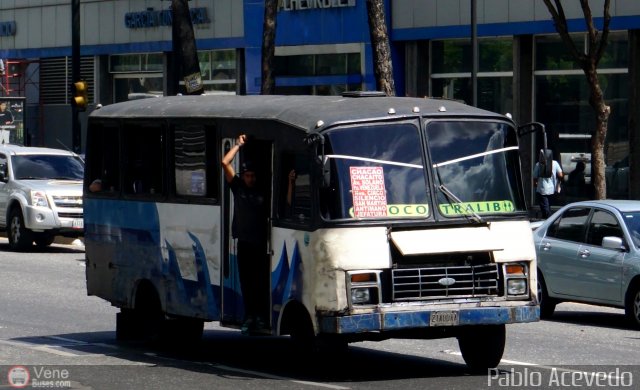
249	227
547	176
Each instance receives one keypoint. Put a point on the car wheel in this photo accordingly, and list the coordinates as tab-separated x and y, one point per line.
20	238
547	304
632	306
43	240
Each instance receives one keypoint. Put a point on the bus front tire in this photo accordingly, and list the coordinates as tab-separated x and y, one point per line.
482	346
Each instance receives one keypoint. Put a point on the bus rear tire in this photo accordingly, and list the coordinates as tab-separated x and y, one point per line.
482	346
128	325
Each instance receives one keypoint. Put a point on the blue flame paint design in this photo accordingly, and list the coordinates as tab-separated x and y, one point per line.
286	280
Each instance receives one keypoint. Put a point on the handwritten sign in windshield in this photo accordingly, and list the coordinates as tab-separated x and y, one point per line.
369	194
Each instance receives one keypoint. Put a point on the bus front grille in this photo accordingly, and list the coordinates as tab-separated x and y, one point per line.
445	282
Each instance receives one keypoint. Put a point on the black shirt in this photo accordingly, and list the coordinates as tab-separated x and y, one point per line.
6	117
249	216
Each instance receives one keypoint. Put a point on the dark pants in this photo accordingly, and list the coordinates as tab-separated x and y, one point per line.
545	204
254	270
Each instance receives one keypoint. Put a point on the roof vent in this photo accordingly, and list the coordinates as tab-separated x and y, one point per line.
392	111
442	109
359	94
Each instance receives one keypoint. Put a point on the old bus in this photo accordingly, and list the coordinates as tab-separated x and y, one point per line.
407	219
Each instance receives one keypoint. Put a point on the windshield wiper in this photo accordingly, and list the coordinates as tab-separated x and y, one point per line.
32	178
452	197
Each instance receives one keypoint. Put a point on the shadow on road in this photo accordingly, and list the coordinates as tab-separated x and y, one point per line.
228	353
613	320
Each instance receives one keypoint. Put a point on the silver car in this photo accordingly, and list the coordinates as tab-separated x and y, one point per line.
40	195
590	252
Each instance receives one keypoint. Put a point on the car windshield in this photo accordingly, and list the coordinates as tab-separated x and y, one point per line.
47	167
376	172
632	220
476	166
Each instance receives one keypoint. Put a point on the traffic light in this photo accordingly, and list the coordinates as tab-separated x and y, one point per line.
80	98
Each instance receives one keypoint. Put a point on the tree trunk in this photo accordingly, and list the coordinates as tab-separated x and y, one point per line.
602	111
269	46
184	47
382	66
589	64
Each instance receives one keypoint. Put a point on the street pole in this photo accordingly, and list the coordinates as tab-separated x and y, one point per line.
474	53
75	72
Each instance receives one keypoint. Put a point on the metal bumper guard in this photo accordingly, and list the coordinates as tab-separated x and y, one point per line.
377	322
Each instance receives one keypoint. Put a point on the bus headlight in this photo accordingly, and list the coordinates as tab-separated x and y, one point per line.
39	198
516	275
360	296
517	286
363	287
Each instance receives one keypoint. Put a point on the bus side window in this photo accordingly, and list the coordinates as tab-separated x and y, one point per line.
295	184
143	169
103	162
194	151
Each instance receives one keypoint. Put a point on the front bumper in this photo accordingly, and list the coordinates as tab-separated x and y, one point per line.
40	219
406	320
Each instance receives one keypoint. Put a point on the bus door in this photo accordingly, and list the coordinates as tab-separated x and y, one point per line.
260	153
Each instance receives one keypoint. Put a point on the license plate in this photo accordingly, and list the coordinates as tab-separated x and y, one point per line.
444	318
77	223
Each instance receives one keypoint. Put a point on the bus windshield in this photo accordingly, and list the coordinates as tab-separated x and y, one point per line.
376	172
476	167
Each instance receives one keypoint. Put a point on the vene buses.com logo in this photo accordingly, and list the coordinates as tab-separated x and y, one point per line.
18	377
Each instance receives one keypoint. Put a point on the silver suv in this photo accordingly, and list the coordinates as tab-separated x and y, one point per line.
40	195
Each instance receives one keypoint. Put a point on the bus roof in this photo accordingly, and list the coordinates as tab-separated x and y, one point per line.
303	112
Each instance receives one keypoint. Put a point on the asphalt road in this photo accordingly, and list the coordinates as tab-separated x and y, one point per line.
65	338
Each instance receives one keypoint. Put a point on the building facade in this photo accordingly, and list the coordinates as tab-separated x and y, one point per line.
323	47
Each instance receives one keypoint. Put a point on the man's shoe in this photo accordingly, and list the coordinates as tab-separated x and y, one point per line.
260	324
246	327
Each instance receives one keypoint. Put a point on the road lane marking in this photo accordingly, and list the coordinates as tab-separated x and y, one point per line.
41	348
255	373
550	368
55	348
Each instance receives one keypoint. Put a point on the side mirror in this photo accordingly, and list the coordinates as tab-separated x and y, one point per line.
615	243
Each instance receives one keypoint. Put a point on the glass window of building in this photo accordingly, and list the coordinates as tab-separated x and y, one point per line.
318	73
136	75
562	104
451	72
218	69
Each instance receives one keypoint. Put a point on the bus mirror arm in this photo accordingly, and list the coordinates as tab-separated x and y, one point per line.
529	128
325	171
